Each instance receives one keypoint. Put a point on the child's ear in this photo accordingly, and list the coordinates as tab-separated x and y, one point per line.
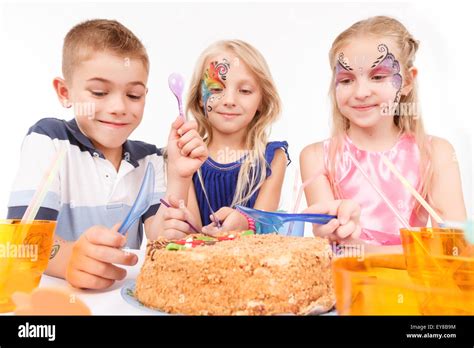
409	81
62	91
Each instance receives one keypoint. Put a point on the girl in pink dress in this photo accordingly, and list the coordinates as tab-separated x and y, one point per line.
375	112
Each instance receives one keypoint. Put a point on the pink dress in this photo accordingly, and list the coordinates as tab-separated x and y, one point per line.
379	224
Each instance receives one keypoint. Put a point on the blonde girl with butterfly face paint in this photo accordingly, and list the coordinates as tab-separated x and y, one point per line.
375	112
234	100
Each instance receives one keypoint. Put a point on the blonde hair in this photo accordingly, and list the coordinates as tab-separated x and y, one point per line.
407	124
256	135
100	35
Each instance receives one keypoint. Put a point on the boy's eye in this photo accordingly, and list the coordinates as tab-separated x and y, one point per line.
98	93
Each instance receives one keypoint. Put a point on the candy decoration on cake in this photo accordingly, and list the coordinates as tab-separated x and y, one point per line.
194	240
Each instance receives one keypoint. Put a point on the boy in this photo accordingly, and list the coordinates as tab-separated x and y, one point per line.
105	68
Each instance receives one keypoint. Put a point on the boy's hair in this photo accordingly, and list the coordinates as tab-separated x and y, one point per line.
100	35
409	124
257	132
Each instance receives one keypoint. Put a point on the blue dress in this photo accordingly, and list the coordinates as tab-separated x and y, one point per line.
220	181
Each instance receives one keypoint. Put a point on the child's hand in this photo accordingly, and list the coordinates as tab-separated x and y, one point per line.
93	255
186	149
176	218
231	220
345	227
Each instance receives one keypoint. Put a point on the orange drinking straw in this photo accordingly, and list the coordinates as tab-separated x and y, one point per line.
412	190
380	193
40	194
392	208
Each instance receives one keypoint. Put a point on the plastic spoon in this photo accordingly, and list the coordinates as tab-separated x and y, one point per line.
176	84
143	200
166	204
278	219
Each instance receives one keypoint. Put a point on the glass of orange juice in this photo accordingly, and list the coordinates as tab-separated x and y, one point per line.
381	285
24	254
441	258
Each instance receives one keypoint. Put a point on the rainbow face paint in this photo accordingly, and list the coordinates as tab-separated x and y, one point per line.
212	83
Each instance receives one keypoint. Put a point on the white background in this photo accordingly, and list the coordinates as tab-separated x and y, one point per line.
294	38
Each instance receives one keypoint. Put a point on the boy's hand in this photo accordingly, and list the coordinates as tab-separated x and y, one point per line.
93	255
186	149
175	217
231	220
344	227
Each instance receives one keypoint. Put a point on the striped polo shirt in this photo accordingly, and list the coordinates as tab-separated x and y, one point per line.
87	190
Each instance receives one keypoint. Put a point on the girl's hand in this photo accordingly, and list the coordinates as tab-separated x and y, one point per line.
176	219
345	227
186	149
231	220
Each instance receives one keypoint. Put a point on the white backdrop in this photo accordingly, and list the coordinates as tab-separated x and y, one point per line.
294	38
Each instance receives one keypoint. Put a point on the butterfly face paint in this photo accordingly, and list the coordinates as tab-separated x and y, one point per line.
213	83
385	65
387	62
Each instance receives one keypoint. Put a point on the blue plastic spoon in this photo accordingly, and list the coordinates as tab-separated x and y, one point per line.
143	200
277	219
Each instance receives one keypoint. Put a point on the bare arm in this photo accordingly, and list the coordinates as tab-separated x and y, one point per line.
59	258
311	163
446	190
193	206
186	153
269	196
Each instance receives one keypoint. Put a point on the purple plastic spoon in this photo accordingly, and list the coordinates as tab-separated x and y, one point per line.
176	84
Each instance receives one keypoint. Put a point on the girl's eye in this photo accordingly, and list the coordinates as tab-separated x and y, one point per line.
378	77
245	91
98	93
344	81
216	90
134	97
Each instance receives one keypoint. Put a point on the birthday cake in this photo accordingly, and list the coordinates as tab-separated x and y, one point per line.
241	274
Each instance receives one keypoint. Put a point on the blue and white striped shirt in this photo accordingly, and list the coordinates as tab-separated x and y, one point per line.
88	190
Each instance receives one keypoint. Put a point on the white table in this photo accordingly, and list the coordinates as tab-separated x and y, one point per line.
108	301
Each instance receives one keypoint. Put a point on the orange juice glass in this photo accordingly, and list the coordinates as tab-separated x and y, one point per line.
381	285
24	254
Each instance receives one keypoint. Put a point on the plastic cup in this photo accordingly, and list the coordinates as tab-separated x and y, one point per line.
22	262
381	285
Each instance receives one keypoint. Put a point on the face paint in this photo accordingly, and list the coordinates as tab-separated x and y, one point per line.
342	63
387	61
213	83
341	66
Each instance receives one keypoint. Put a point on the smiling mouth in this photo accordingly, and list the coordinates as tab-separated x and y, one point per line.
228	114
114	124
364	107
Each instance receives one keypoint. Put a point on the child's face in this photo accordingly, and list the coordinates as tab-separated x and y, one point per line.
368	79
230	93
112	89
